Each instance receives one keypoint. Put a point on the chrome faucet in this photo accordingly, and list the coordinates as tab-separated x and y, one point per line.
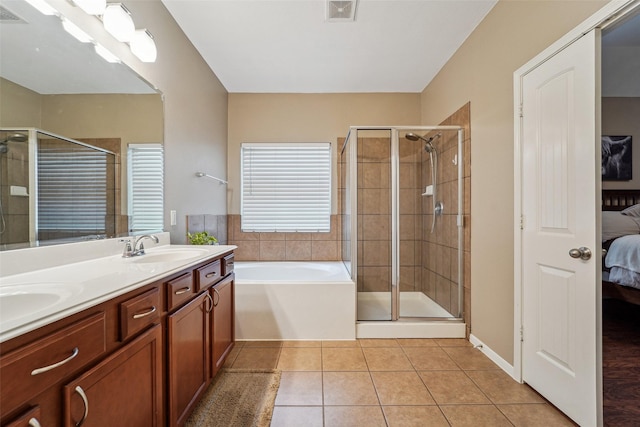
137	248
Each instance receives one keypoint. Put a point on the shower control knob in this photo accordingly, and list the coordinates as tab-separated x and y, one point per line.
583	253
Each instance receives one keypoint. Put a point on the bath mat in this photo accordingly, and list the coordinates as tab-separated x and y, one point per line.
237	398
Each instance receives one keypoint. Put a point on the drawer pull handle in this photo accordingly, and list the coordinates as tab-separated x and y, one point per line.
215	303
210	275
33	422
145	314
182	291
74	353
82	394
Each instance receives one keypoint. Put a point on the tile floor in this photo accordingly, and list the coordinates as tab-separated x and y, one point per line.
392	382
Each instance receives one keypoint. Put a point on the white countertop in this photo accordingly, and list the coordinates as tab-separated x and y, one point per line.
46	295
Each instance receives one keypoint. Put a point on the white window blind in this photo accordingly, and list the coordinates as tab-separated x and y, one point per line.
72	189
146	188
286	187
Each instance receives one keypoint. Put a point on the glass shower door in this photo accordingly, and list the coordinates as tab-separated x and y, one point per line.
374	225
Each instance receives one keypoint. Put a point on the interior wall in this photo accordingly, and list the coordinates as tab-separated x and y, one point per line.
620	117
308	118
19	106
481	72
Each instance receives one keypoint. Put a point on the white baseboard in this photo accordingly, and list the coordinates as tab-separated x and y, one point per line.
495	357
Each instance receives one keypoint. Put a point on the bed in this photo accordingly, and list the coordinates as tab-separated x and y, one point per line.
621	240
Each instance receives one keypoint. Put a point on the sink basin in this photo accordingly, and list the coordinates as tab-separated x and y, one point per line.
18	301
169	255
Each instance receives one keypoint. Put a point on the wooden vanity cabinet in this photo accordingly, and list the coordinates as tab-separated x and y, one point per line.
188	356
140	359
222	322
123	389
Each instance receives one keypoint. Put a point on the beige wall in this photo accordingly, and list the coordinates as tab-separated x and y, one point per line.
481	72
620	117
308	118
19	107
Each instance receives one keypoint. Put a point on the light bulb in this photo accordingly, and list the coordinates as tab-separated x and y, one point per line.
143	46
118	22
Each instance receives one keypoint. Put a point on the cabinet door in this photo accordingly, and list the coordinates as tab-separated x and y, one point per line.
223	322
124	389
188	356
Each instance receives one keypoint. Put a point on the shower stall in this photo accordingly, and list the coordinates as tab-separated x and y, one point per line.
401	205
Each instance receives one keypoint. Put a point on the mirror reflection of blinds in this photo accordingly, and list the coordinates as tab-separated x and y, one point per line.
146	187
72	189
286	187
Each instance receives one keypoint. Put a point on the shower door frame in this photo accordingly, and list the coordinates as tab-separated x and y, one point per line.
395	224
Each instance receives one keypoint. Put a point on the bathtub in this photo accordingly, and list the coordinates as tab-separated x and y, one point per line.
294	301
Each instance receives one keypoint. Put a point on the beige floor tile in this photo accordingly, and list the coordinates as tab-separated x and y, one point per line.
501	388
299	388
430	358
401	388
263	344
474	416
257	358
387	359
296	416
341	343
379	342
348	388
353	416
300	343
529	415
469	358
417	342
232	356
453	342
414	416
343	359
451	387
300	359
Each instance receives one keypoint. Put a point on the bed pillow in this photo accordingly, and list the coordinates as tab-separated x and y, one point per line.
615	225
632	211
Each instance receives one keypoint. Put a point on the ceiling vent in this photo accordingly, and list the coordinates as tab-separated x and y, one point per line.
341	10
6	16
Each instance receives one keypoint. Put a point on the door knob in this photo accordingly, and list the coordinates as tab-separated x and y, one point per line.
582	253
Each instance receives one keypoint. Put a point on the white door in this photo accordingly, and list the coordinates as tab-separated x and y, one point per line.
560	187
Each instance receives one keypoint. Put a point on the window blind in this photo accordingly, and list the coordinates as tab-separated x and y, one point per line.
72	189
146	187
286	187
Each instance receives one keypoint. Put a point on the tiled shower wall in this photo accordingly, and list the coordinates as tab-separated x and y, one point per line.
439	250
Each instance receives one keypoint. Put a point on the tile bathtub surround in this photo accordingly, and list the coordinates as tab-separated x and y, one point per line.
284	246
215	225
389	382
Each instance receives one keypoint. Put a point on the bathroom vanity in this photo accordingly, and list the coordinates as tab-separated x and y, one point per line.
140	355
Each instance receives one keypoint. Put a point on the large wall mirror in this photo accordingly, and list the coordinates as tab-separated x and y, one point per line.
55	90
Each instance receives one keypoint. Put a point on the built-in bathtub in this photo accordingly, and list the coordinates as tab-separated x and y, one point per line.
294	301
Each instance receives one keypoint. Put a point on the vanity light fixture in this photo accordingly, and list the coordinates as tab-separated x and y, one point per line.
43	7
106	54
118	22
91	7
75	31
143	46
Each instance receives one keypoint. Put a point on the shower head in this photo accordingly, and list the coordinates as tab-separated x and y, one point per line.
427	142
16	137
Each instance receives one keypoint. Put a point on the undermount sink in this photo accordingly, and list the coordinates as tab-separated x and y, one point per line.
18	301
169	255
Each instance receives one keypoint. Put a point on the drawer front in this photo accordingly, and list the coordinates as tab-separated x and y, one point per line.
179	290
34	367
209	275
227	264
139	312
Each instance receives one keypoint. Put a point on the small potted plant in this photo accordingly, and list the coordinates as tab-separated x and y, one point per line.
202	238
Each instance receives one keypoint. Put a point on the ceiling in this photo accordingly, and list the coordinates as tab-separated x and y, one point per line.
287	46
